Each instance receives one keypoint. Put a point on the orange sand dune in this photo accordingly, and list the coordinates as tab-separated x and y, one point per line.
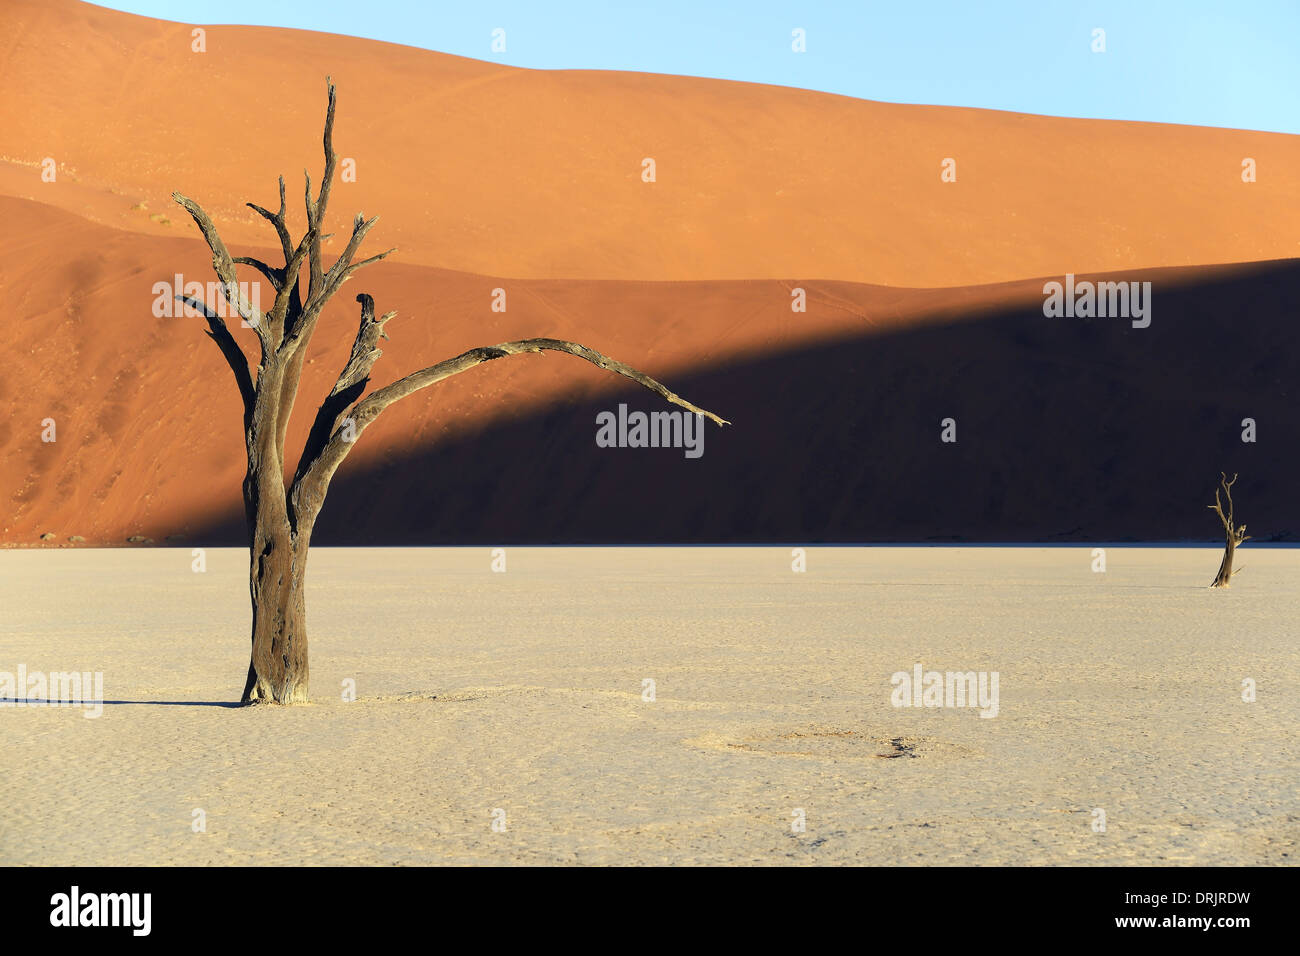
1071	429
146	414
501	171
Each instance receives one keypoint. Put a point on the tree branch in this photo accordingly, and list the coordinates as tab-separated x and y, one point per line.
322	285
278	221
300	321
316	210
1218	509
340	272
273	275
1227	490
315	471
1236	534
349	385
378	401
279	277
224	266
235	357
282	311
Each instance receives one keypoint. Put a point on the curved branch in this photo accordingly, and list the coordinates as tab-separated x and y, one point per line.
273	275
315	471
375	403
224	266
235	358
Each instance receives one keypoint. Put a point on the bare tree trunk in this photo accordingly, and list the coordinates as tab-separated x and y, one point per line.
1233	535
277	669
1225	567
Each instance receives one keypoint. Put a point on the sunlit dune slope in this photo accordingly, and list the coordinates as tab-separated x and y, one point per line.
502	171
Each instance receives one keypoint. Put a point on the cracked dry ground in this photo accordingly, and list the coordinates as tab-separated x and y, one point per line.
523	692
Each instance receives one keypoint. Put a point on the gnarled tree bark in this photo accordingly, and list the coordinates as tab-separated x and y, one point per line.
280	517
1233	535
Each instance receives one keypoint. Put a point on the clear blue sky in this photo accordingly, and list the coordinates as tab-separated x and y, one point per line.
1232	63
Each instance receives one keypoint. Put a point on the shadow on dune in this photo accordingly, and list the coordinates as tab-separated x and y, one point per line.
1068	429
38	702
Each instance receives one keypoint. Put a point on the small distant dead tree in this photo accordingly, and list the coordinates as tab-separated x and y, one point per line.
1233	535
280	517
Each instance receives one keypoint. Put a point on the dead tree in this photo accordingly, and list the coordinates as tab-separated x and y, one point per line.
280	516
1233	535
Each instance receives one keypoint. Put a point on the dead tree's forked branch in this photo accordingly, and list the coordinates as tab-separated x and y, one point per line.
280	518
1234	535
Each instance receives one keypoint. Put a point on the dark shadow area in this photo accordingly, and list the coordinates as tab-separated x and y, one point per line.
83	705
1069	429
